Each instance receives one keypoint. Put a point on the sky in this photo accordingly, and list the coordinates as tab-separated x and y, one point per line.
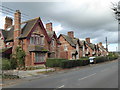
87	18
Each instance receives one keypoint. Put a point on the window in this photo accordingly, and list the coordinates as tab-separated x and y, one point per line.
39	57
53	42
65	48
31	40
42	40
37	39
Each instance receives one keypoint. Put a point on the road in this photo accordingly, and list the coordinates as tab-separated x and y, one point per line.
103	75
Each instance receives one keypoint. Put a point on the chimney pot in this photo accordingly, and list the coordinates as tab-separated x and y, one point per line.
49	26
100	43
88	40
8	22
71	34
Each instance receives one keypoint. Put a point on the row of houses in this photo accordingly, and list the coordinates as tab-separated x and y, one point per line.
40	43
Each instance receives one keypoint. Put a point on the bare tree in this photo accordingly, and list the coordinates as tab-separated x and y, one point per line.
116	9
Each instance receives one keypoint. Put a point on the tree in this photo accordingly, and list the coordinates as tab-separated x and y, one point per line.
116	9
19	56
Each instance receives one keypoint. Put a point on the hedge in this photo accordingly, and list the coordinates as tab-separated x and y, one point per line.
50	62
74	63
6	65
100	59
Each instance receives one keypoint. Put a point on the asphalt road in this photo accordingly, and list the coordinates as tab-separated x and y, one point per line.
103	75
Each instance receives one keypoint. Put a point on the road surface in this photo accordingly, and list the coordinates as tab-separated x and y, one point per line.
103	75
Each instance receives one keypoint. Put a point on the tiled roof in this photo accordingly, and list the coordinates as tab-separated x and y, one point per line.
71	41
25	29
28	25
51	33
92	46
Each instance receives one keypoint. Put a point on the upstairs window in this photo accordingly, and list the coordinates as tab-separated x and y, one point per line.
65	48
37	39
53	42
41	40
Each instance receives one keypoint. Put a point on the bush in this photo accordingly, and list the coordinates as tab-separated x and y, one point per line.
112	56
50	62
84	58
10	76
100	59
13	63
74	63
6	64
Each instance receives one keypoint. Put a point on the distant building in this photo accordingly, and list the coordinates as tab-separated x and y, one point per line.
70	47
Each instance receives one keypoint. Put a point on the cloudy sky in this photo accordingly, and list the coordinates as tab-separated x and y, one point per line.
87	18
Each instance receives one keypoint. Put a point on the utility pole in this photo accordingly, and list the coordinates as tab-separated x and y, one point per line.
106	44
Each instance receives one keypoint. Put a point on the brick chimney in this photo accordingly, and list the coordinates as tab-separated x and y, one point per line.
8	22
49	26
100	43
87	40
17	22
71	34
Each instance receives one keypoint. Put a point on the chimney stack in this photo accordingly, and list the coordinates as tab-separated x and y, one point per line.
100	43
17	28
71	34
88	40
8	22
49	26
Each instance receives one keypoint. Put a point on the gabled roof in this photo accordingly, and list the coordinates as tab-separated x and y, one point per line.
92	46
52	34
26	28
102	48
71	41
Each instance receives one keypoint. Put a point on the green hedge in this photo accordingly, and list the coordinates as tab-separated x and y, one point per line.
74	63
50	62
84	58
100	59
6	65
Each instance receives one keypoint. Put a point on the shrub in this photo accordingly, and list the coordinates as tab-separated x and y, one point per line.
10	76
84	58
100	59
6	64
50	62
13	63
74	63
112	56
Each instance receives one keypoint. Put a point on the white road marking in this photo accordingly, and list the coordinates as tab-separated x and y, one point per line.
61	86
87	76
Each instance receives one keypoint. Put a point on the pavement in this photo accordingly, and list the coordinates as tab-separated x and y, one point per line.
25	75
104	75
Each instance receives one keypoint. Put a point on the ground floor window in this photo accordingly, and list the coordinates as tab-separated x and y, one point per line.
39	57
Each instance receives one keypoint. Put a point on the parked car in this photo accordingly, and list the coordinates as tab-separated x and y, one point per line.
91	60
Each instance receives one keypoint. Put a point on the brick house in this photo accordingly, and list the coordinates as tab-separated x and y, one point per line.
88	48
70	46
30	35
101	50
54	42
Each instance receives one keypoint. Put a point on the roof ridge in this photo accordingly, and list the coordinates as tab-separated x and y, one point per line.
30	20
